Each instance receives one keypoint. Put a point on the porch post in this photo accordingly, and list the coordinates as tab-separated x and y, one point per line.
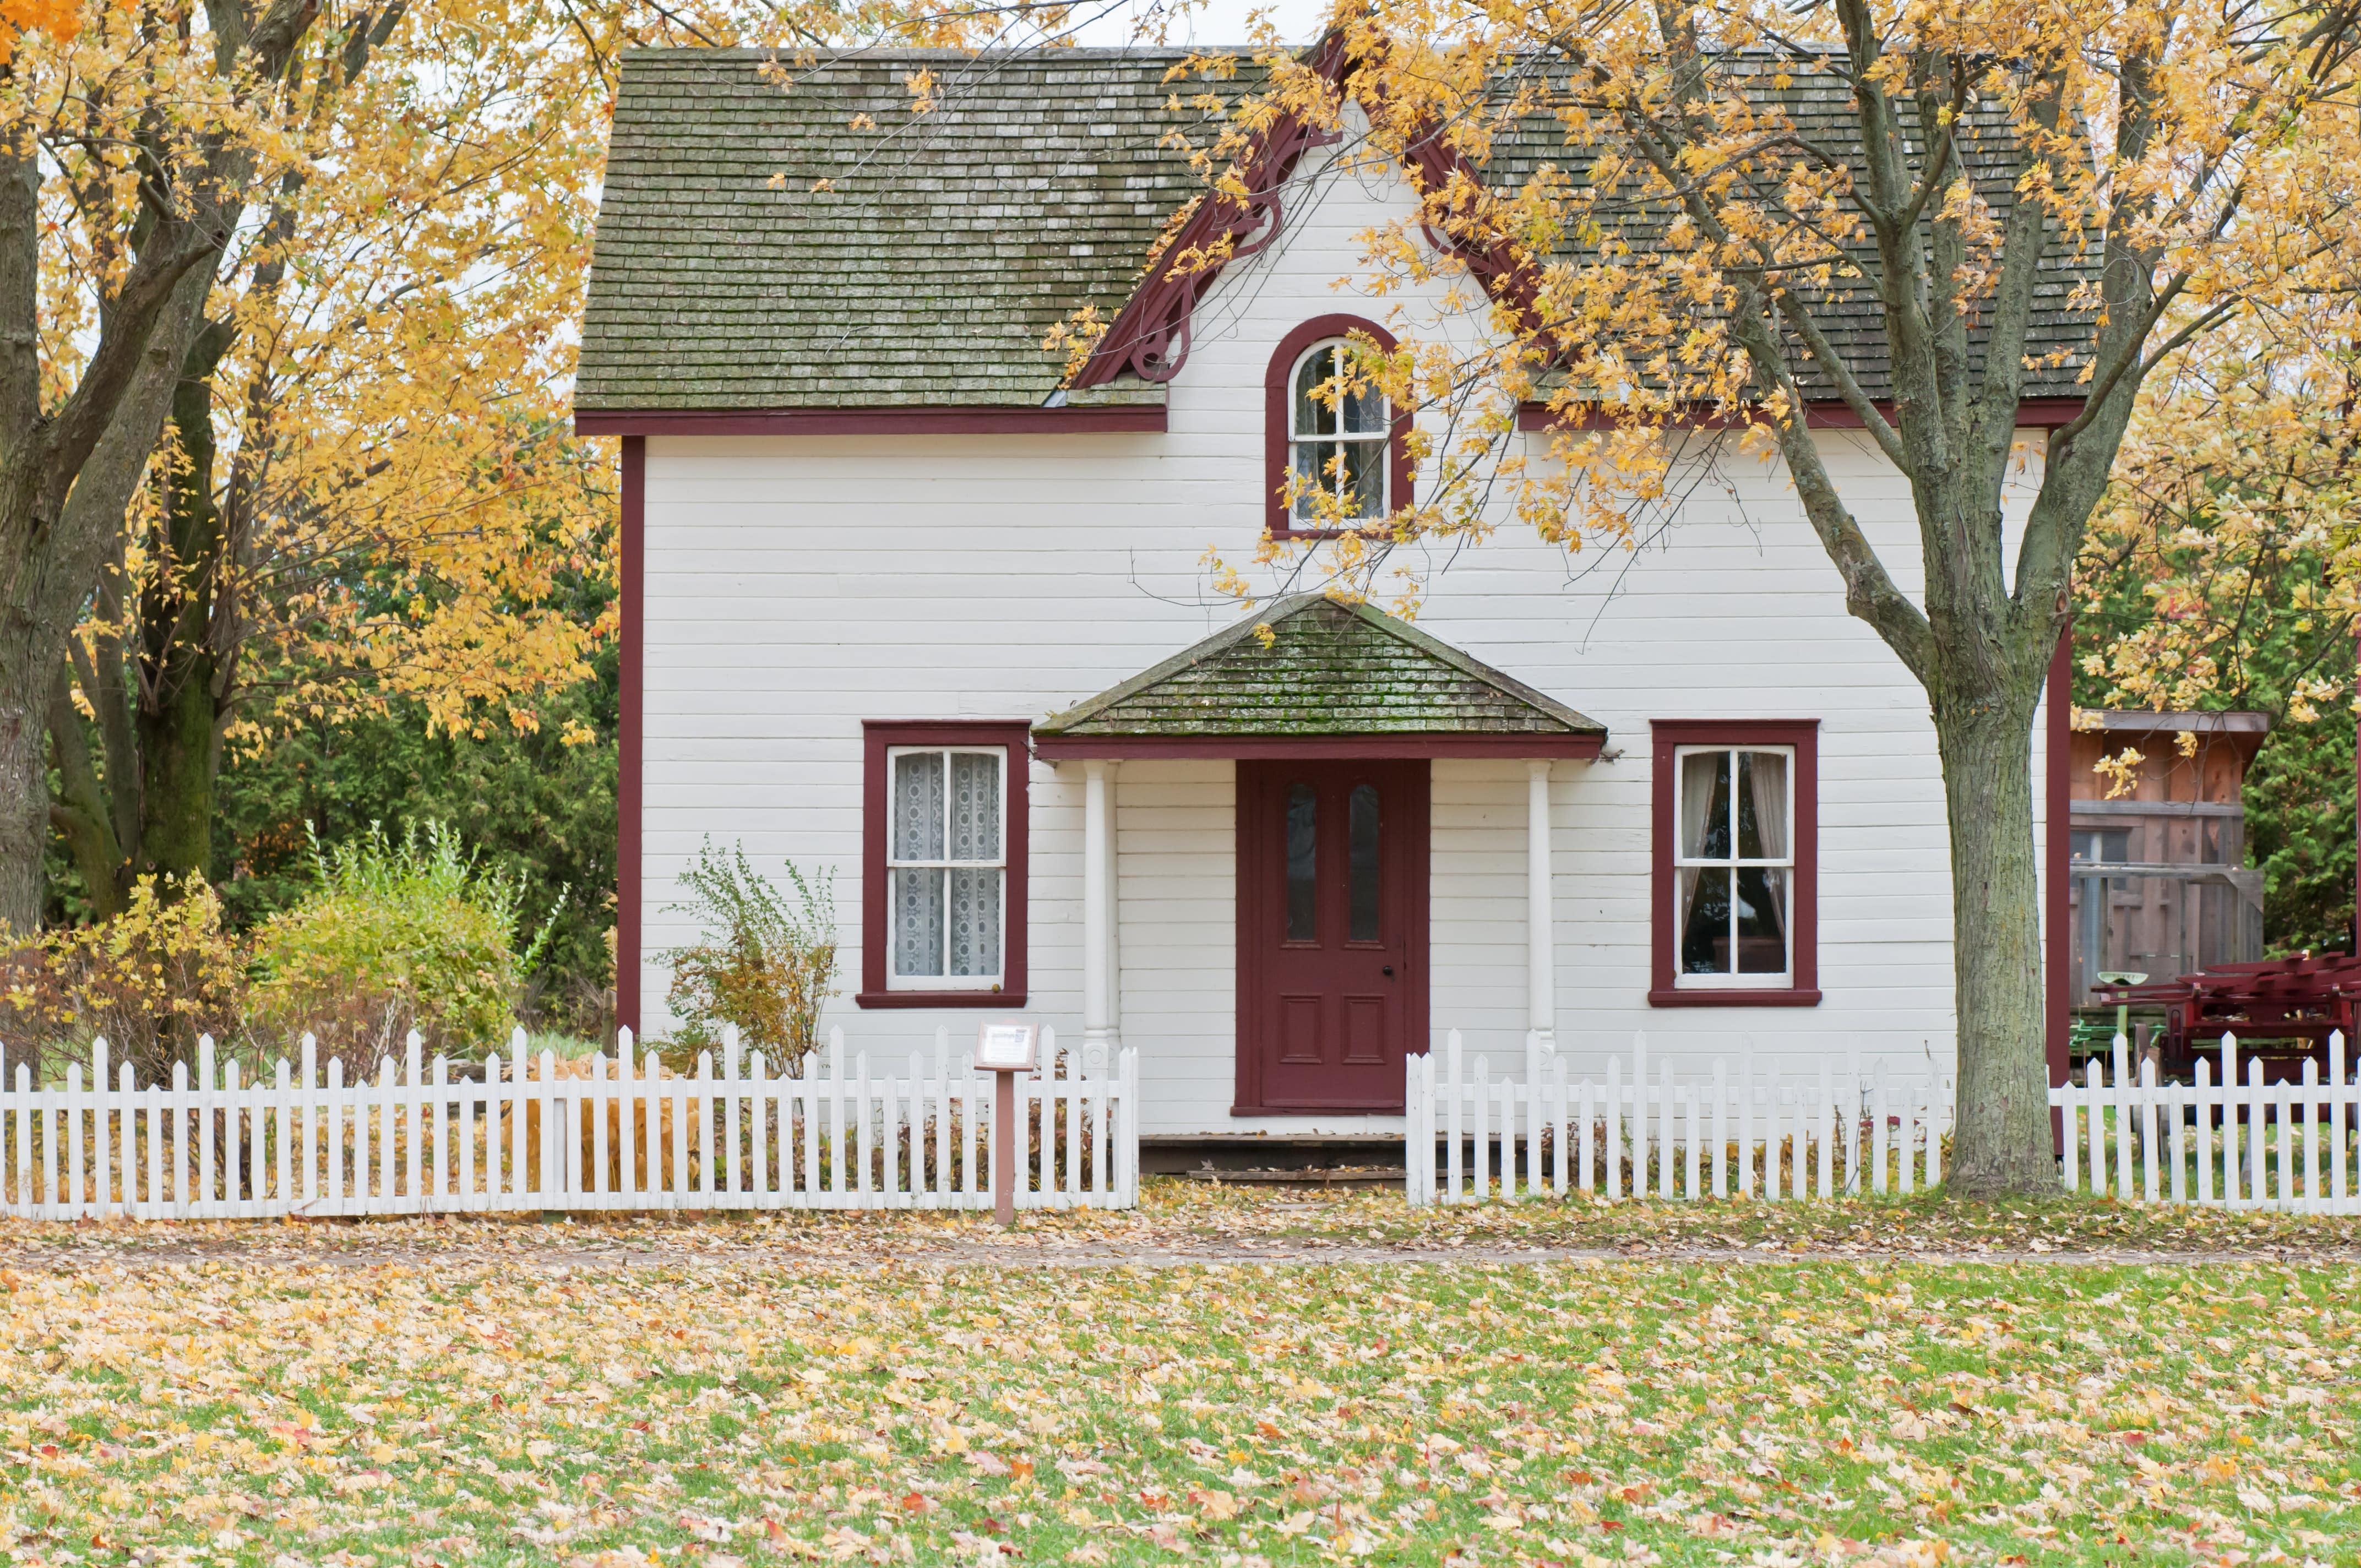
1098	924
1541	979
1114	945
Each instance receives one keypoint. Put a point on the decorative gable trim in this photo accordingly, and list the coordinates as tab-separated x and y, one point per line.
1150	336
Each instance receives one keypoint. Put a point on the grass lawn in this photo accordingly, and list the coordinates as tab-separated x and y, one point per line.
280	1404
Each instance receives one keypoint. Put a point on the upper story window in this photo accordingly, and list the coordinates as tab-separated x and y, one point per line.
943	881
1736	834
1336	455
1339	438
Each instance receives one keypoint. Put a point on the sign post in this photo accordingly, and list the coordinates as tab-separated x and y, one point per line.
1005	1050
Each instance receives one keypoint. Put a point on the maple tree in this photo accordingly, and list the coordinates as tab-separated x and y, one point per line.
1685	247
365	485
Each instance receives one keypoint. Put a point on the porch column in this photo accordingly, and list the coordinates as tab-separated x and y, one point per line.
1098	905
1541	978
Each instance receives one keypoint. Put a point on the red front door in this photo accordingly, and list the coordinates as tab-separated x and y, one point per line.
1332	933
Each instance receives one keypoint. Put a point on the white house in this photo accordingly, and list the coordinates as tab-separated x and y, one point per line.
904	600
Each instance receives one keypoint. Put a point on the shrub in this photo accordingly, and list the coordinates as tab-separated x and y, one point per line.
396	936
150	980
759	963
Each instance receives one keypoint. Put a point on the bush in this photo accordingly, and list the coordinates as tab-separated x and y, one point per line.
760	964
150	980
395	938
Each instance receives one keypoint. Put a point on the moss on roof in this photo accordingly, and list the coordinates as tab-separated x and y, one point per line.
1329	669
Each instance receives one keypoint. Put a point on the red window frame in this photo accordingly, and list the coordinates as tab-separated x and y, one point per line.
1664	893
1278	423
877	738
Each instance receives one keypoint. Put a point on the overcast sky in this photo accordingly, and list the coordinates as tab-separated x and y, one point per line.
1215	22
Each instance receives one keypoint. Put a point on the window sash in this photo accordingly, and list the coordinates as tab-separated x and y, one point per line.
949	869
1326	444
1735	979
1682	753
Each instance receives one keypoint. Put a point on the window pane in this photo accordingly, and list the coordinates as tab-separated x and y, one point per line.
1762	920
1361	839
1704	932
1303	864
1364	412
1704	806
1365	478
919	806
917	922
975	923
1312	473
975	807
1312	414
1762	806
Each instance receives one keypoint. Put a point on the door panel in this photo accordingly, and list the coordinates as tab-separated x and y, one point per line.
1332	932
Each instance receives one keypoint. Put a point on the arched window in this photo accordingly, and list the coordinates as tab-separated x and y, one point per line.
1338	438
1347	443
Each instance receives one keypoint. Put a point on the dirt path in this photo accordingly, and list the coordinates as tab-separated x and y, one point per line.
1023	1252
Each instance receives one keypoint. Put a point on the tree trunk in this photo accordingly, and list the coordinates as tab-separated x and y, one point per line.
180	709
53	580
2002	1140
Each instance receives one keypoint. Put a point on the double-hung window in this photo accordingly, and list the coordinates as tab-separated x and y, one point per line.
942	917
1737	865
949	867
1736	844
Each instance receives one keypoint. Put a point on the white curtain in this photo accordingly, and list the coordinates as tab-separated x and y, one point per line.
1766	778
1700	771
1766	773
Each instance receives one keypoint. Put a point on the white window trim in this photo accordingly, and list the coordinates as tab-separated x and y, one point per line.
1752	980
1382	439
945	981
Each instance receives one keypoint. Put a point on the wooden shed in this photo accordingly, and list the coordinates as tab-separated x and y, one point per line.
2159	883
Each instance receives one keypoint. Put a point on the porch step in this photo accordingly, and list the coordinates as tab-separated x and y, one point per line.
1336	1175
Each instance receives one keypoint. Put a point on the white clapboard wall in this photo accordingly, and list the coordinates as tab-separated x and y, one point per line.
528	1131
1471	1137
2221	1140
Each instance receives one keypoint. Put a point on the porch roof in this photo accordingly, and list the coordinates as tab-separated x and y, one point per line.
1334	680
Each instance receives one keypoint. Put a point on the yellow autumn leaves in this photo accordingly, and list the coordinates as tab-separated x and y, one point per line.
772	1390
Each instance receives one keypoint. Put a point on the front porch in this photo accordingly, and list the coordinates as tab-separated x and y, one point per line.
1331	817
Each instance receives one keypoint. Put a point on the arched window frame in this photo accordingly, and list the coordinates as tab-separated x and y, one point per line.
1278	424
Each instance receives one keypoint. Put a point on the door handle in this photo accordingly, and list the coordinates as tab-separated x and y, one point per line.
1389	972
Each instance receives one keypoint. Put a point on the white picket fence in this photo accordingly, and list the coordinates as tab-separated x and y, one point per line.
534	1132
1470	1136
2217	1141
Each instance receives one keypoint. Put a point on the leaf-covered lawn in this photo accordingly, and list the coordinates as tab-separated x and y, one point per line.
467	1410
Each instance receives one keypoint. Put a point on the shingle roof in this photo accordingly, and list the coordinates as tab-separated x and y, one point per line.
1819	106
1330	670
952	241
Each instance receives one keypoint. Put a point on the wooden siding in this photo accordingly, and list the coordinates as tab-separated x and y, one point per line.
799	584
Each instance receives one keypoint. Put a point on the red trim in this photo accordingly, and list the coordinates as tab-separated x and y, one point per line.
2033	413
1150	336
876	736
1021	421
1804	735
631	738
1064	747
1278	421
2057	852
1256	852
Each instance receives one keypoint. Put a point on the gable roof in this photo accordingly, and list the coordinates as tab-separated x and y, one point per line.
949	242
1331	670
